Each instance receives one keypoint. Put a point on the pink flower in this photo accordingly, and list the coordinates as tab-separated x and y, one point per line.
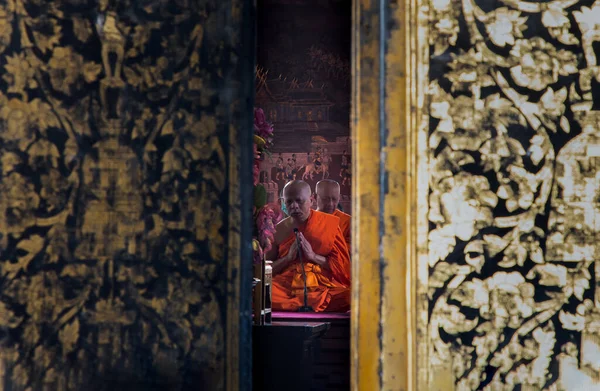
259	117
266	221
256	153
261	127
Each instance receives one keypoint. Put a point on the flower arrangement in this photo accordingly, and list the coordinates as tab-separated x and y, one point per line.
266	219
263	140
266	216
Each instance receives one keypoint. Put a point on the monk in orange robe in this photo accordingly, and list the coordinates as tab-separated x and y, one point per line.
328	198
324	254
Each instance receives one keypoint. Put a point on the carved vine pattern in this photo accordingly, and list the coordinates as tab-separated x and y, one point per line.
512	94
112	193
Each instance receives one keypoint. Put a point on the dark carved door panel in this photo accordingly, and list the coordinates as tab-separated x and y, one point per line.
124	153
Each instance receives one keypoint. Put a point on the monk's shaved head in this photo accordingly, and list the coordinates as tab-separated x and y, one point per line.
328	195
296	196
297	185
326	185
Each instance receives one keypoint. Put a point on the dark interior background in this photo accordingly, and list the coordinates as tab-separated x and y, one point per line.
303	85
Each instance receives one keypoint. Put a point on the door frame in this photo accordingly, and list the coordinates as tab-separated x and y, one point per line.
238	344
389	197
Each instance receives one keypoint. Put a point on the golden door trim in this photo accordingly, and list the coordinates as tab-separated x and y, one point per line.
389	133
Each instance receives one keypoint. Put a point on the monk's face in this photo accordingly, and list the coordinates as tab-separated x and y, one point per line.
297	202
328	198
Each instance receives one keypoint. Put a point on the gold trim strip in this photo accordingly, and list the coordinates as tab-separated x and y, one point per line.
389	313
233	267
366	270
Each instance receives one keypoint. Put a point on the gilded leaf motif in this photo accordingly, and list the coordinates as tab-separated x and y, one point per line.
445	239
516	97
69	335
19	74
46	34
20	375
91	71
5	28
8	317
31	334
82	29
504	25
28	249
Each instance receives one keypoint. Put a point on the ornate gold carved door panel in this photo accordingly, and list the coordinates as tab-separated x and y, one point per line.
124	151
491	117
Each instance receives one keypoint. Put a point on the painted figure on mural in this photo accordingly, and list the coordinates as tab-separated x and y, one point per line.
295	167
264	177
289	170
318	160
309	169
325	161
345	162
280	174
317	164
345	171
346	177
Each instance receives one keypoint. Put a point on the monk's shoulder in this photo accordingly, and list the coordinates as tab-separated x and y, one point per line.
284	224
343	216
283	229
327	219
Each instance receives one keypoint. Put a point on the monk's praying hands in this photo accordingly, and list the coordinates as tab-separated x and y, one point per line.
283	262
309	254
307	250
292	253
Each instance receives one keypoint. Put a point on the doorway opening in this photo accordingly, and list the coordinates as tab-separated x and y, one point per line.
302	112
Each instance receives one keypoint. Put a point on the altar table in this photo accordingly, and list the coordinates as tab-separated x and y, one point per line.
285	354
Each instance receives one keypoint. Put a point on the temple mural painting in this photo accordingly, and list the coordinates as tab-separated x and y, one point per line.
303	85
514	192
115	157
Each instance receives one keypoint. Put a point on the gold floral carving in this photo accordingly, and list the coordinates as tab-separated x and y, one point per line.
514	192
114	194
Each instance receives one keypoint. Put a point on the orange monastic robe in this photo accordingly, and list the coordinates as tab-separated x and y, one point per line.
345	225
328	290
